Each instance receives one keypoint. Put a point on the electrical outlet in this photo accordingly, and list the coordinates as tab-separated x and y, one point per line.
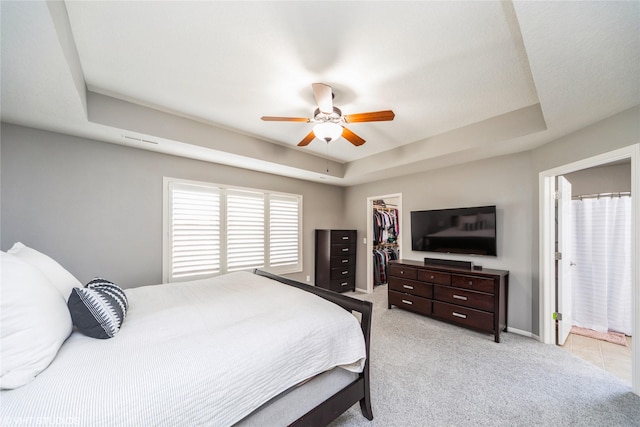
364	240
308	278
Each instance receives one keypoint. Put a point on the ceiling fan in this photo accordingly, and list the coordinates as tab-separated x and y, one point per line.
329	119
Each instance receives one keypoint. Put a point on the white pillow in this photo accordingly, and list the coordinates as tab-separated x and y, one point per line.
61	278
35	322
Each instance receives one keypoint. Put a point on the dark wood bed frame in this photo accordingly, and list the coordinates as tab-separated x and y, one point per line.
358	390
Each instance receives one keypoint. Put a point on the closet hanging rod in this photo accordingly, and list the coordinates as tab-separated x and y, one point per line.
602	195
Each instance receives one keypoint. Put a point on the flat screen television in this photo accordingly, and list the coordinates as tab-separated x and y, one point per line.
469	230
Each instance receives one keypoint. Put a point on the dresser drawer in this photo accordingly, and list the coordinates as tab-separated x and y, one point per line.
402	271
464	316
339	261
343	236
410	302
437	277
343	249
480	284
459	296
342	285
341	273
411	287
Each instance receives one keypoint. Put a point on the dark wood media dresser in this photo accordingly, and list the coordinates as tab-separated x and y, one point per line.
475	299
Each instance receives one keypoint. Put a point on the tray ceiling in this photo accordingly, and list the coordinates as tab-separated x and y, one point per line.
466	80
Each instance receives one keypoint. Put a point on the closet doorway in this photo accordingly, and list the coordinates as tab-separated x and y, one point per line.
384	236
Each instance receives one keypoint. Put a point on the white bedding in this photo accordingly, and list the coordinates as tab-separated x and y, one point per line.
206	352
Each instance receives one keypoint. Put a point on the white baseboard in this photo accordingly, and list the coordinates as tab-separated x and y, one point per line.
523	333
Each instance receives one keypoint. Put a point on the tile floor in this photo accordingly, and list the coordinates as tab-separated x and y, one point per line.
613	358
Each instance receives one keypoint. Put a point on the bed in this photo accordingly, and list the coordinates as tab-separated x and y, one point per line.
246	348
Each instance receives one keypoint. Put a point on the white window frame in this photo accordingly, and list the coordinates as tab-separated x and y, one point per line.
168	182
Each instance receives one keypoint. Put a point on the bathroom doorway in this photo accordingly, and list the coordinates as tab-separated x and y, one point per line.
547	255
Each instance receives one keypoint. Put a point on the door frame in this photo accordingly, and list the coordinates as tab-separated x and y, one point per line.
370	200
547	298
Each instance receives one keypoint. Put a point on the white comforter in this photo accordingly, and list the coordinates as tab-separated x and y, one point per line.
206	352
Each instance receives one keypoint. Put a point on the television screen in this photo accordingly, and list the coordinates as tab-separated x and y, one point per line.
460	231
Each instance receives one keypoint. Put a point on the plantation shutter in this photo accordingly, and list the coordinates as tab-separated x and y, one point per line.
245	229
212	229
195	231
284	230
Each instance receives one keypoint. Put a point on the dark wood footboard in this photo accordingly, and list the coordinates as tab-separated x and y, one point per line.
357	391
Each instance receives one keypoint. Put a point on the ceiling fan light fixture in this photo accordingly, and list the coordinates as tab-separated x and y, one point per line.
327	131
328	119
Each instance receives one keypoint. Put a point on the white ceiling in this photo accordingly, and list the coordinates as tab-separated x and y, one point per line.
466	80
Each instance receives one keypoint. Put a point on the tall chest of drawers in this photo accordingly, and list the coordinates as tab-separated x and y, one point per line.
335	266
476	299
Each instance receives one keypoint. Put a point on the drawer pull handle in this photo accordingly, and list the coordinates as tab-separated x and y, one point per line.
344	261
407	287
432	277
463	316
345	249
345	237
345	272
407	302
343	284
463	298
470	282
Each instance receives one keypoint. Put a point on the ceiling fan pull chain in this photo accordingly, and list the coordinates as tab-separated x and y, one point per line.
327	157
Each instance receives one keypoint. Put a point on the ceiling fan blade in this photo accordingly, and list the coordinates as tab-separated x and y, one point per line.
324	97
284	119
375	116
352	137
307	139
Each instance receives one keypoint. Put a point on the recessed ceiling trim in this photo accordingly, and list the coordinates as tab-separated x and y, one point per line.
60	20
481	135
131	117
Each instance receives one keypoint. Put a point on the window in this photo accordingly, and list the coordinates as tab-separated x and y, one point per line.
194	230
211	229
245	230
284	230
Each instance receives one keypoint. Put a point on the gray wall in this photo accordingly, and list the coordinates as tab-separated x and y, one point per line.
97	208
618	131
501	181
603	179
511	183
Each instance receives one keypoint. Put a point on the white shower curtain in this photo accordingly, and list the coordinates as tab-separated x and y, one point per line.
601	278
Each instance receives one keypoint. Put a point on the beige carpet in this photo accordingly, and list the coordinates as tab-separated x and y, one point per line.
613	337
430	373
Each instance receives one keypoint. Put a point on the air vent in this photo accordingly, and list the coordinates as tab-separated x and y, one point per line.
139	139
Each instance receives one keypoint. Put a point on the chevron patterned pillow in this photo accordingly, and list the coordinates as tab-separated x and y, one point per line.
98	309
